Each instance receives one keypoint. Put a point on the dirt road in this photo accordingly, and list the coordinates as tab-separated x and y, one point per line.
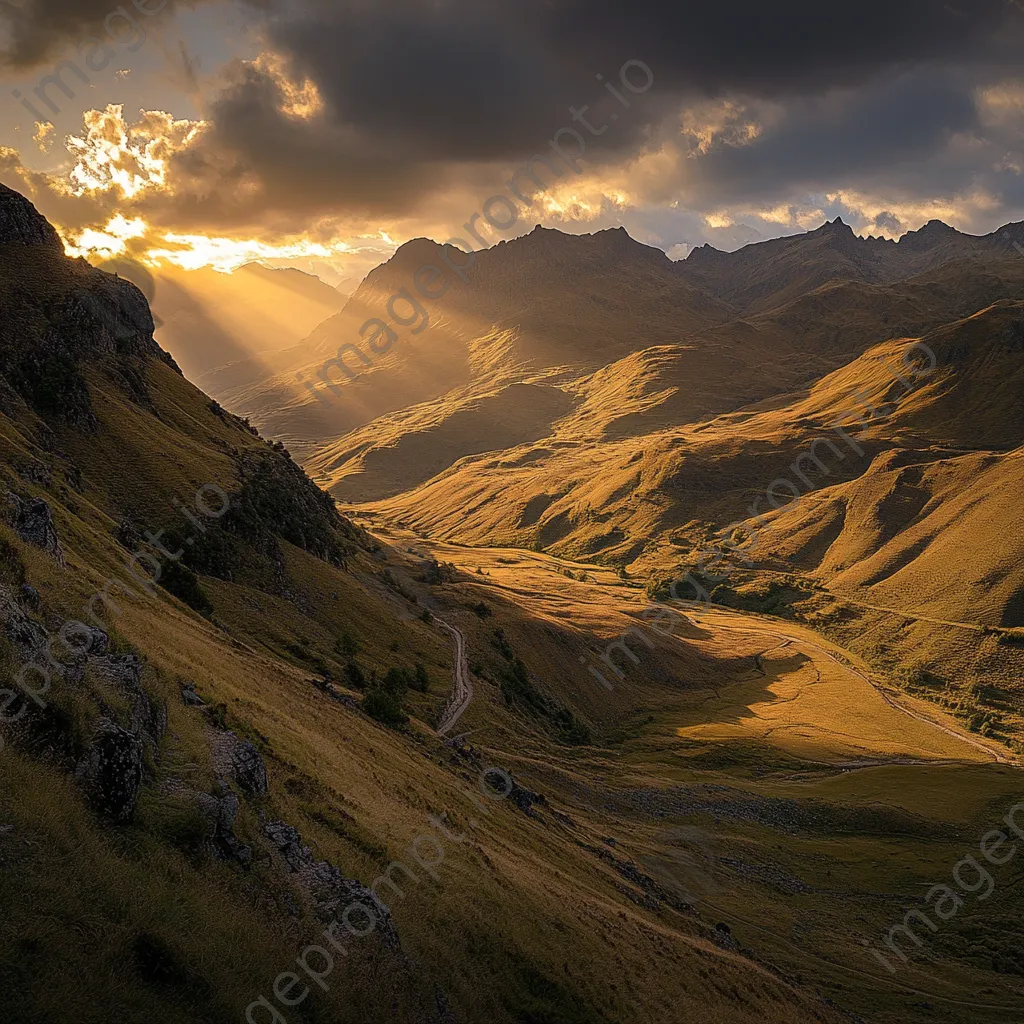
462	686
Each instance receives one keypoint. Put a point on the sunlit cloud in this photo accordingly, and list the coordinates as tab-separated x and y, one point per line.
44	136
299	99
725	123
719	220
128	159
106	243
878	211
226	254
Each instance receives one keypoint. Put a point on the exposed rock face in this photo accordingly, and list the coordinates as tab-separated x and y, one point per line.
330	890
27	635
33	521
111	772
240	760
111	318
22	224
249	770
123	669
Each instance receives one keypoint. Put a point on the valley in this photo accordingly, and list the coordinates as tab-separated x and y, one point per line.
795	739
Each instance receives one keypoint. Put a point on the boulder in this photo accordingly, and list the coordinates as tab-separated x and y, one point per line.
99	639
111	771
221	812
190	698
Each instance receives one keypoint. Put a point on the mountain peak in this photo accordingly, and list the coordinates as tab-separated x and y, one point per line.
934	233
835	227
934	228
22	224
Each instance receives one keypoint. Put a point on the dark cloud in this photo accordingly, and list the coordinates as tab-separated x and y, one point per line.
472	79
888	221
37	31
416	90
890	126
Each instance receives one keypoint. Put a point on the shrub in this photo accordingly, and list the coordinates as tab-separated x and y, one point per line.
384	707
182	582
354	675
347	645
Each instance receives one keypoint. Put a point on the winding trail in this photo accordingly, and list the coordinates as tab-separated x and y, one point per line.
462	691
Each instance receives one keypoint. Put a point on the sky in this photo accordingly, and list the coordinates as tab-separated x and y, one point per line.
323	133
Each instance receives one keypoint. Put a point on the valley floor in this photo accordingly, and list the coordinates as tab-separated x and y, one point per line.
805	695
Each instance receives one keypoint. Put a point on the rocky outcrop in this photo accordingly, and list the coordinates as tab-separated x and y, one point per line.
148	719
111	772
330	891
123	669
22	224
33	522
28	636
99	639
525	799
249	770
239	760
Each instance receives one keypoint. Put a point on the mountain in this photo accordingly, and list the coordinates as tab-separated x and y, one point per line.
638	460
653	390
732	328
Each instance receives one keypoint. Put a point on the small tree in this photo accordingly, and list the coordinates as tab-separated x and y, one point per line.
384	707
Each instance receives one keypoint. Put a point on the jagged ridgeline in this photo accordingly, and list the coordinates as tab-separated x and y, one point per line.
83	377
